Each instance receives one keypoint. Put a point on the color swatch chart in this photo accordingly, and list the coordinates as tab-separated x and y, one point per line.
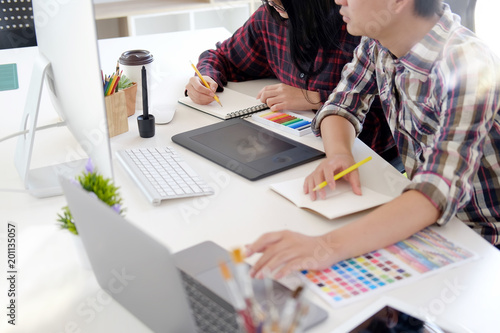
285	121
356	278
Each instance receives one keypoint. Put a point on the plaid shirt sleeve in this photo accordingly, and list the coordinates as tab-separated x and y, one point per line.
448	173
355	92
241	57
259	49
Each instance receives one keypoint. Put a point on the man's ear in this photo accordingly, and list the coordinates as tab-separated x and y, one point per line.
398	6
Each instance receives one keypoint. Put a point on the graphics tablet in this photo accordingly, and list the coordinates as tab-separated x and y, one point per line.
249	150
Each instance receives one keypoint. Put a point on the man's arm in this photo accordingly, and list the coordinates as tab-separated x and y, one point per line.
289	251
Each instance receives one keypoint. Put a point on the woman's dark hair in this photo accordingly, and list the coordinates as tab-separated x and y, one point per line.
427	8
312	25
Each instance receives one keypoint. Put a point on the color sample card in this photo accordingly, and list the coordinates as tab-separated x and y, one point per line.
8	77
353	279
427	250
285	121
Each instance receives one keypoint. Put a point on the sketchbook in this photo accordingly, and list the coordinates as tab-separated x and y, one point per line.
234	104
342	201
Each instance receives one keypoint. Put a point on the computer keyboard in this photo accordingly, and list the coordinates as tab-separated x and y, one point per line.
161	173
211	313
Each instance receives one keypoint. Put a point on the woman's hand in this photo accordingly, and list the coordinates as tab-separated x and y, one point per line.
326	171
290	251
197	91
284	97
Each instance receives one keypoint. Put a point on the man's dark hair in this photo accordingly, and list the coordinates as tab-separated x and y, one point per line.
312	25
427	8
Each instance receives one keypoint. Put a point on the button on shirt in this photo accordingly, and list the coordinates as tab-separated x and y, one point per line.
441	100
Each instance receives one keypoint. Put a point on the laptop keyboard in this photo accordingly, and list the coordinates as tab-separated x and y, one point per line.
161	173
211	312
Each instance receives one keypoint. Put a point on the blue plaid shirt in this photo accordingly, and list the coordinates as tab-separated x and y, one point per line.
441	100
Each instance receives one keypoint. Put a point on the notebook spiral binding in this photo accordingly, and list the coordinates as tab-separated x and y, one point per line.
248	111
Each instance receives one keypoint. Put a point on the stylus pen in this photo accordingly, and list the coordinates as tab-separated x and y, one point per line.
205	83
245	319
145	106
343	173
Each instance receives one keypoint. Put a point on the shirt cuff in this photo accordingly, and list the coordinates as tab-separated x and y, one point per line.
331	110
426	184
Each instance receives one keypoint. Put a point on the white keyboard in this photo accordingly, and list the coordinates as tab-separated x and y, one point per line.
161	174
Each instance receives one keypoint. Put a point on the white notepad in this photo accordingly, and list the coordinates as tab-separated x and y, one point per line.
342	201
234	104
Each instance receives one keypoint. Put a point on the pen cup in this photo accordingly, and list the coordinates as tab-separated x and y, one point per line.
116	113
130	98
131	63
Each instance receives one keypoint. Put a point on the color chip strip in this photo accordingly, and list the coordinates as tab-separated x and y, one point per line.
285	121
351	279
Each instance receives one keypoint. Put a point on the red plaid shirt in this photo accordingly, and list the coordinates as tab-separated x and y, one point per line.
259	50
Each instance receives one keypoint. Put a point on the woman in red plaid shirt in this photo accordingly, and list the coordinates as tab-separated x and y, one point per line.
305	45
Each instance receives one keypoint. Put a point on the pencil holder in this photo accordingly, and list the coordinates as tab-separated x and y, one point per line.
130	97
116	113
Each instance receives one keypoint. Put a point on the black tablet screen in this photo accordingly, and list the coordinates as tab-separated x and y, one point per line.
243	144
247	149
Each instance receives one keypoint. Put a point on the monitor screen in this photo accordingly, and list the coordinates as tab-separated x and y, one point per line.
68	63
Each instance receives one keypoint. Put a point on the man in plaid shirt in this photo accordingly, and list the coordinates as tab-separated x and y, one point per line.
264	48
440	89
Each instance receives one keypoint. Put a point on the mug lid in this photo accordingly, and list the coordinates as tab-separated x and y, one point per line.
136	57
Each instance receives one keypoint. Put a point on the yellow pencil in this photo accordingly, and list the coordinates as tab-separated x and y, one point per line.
205	82
111	85
343	173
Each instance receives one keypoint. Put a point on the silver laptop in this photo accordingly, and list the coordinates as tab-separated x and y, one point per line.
184	292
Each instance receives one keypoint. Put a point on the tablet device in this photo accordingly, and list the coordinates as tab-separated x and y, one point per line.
249	150
394	316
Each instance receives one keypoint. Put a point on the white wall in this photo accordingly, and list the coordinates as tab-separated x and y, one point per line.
488	23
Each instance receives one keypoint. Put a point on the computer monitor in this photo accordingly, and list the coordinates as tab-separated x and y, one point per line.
68	62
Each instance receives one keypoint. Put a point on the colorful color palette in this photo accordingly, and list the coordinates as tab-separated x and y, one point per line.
357	276
349	280
426	251
286	121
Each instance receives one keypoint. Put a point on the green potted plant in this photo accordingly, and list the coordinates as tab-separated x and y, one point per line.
98	186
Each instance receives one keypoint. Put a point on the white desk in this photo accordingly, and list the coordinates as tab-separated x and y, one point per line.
57	294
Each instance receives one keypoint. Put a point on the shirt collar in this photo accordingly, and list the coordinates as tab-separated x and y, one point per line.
425	53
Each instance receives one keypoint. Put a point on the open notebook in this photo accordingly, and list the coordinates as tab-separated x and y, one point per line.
234	104
342	201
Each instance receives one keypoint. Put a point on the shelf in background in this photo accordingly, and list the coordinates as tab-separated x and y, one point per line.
121	18
116	9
